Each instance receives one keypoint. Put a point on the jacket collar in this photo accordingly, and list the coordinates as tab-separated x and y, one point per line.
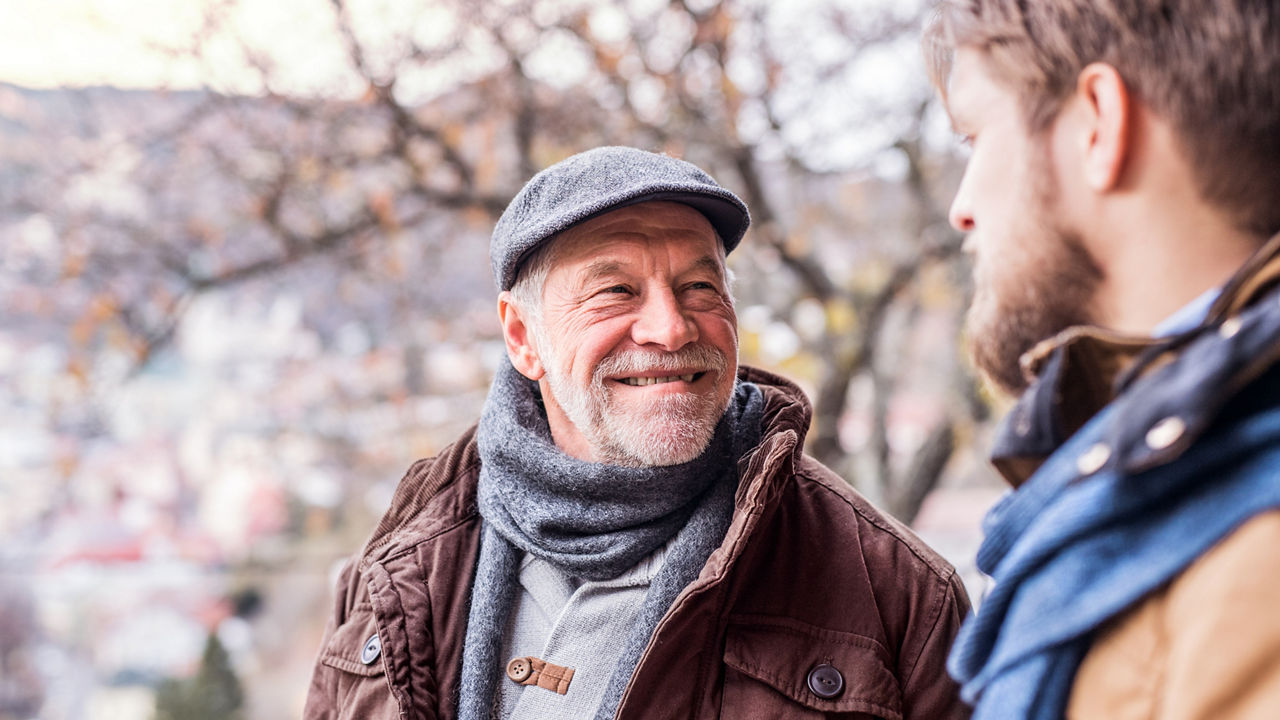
439	493
1083	369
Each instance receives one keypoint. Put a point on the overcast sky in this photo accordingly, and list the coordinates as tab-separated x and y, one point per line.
48	43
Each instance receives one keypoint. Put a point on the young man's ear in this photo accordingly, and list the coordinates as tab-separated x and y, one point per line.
1108	117
515	331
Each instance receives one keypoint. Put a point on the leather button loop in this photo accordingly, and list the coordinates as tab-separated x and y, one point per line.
826	682
372	649
519	669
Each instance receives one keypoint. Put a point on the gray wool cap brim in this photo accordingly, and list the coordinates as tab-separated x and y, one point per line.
600	180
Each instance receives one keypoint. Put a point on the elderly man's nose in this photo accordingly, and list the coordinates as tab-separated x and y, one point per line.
664	323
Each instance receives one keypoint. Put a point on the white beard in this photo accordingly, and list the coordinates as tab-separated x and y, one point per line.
673	430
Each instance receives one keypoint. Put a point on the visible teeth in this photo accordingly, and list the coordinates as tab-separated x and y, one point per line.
642	381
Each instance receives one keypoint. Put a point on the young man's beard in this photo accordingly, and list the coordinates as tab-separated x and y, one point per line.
1008	319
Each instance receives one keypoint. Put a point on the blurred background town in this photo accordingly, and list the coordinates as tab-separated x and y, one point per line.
244	284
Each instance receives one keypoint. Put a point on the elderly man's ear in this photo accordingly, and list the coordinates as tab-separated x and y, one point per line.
520	347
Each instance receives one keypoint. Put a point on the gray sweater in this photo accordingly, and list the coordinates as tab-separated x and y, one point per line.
578	624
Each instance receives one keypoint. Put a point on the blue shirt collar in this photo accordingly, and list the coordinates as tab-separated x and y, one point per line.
1188	316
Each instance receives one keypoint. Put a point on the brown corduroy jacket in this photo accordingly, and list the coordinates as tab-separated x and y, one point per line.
809	576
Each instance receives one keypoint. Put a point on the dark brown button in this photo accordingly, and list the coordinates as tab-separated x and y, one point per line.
519	669
826	682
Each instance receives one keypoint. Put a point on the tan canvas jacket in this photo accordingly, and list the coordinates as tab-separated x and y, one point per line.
1206	647
809	575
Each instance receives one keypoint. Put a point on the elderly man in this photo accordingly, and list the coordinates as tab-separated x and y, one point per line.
633	529
1122	202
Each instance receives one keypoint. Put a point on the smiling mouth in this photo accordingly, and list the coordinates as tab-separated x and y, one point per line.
643	381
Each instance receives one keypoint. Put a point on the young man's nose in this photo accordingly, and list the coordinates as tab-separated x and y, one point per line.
961	213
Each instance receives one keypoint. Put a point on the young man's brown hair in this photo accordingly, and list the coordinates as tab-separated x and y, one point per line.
1211	68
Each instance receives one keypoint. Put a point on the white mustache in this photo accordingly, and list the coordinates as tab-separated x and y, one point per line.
691	358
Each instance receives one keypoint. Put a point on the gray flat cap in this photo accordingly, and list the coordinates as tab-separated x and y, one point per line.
594	182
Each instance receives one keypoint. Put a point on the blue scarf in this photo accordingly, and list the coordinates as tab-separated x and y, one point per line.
1067	554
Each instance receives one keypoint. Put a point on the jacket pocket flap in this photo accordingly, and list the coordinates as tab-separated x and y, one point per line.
783	653
355	646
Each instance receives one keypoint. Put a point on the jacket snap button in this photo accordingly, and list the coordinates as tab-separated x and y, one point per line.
1093	459
372	649
825	681
519	669
1166	432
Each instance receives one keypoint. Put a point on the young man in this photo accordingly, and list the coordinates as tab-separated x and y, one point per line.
633	530
1122	202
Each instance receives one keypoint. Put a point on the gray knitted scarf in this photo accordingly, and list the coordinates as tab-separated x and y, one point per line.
590	520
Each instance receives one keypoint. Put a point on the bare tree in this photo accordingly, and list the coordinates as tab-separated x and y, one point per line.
373	188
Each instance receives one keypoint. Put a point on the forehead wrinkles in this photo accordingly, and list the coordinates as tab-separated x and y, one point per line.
631	241
650	220
646	236
610	253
